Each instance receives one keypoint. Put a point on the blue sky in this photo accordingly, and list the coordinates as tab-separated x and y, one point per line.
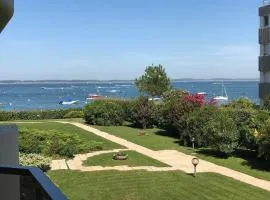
104	39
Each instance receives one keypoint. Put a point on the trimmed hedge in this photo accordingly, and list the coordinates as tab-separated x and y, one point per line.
34	115
74	114
104	112
54	143
35	160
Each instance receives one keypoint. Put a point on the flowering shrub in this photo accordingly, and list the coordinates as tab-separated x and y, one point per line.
35	160
195	99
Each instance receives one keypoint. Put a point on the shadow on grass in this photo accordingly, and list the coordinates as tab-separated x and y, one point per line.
250	158
212	153
165	133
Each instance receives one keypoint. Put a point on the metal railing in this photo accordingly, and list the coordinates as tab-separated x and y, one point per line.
34	184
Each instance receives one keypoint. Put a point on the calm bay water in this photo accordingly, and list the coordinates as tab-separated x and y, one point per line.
33	96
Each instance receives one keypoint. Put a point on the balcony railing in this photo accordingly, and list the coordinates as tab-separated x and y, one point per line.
32	184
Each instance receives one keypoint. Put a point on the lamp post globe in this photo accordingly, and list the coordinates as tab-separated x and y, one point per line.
195	162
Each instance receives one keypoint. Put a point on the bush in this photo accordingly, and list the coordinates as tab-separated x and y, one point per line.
104	112
242	103
221	132
54	143
143	113
74	114
264	142
194	124
34	115
248	122
35	160
180	109
266	102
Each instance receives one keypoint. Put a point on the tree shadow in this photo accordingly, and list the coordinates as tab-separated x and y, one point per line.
165	133
250	158
212	153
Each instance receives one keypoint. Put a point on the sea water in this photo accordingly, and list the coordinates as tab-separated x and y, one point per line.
47	95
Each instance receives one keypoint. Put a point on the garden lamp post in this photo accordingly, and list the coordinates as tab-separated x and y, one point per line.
193	142
195	162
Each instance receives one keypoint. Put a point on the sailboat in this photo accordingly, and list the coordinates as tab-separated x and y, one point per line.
222	99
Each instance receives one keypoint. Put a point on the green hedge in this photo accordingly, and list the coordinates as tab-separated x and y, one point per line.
74	114
54	143
34	115
104	112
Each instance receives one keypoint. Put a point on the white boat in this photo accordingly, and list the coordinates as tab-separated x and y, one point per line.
202	93
222	99
92	97
154	99
69	102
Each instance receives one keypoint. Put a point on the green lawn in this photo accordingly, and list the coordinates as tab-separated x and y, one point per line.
68	128
158	139
141	185
134	159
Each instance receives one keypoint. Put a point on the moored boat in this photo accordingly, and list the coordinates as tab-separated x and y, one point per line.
93	97
69	102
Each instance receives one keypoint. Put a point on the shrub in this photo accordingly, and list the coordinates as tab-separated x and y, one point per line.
242	103
171	113
221	132
143	113
181	109
248	122
104	113
54	143
35	160
266	102
74	114
34	115
194	124
264	142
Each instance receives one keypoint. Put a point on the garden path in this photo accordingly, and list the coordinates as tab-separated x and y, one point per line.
173	158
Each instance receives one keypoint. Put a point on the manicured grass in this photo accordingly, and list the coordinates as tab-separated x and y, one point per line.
68	128
134	159
157	139
135	185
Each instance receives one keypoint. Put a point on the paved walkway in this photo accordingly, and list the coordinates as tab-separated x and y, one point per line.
173	158
77	163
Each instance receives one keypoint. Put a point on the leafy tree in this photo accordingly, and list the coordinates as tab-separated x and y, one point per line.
142	113
154	82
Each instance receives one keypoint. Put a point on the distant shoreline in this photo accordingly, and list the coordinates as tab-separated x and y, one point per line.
116	81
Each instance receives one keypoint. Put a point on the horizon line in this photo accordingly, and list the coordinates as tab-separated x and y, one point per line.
99	80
